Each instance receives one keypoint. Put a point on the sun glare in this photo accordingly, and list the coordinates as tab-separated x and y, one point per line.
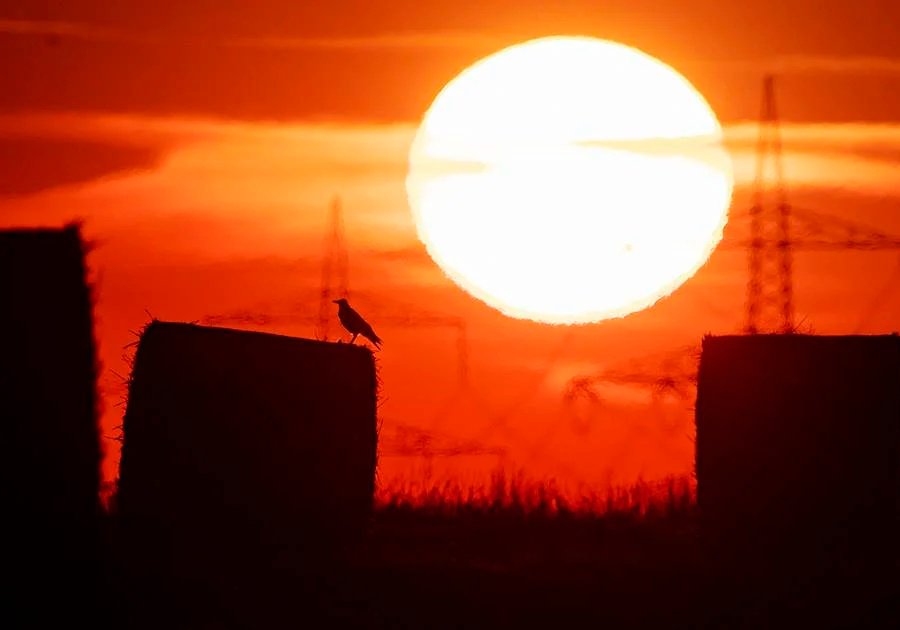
569	180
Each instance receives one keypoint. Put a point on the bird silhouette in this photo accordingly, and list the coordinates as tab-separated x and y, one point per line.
354	323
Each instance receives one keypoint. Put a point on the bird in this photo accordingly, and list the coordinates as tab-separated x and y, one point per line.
354	323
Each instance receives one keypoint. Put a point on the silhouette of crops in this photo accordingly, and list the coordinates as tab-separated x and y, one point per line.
48	409
245	448
511	496
797	451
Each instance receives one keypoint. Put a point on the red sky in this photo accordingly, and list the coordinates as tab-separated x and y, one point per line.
201	146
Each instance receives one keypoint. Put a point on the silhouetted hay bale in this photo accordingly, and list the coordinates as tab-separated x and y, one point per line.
797	451
244	447
48	415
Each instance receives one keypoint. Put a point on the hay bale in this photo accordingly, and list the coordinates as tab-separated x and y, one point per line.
797	450
48	414
244	447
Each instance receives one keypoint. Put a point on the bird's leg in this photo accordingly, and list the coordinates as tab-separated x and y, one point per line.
353	338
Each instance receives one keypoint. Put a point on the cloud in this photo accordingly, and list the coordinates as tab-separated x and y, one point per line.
862	157
706	150
875	142
32	165
807	65
216	166
50	27
53	31
383	41
160	132
380	41
850	65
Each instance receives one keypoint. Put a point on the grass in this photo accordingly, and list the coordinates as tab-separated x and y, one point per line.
513	553
517	494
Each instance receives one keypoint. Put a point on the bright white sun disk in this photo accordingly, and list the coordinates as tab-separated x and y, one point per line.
569	180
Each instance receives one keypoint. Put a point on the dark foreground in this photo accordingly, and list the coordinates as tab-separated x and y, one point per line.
420	569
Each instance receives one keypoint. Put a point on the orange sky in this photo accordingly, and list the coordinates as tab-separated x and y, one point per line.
201	150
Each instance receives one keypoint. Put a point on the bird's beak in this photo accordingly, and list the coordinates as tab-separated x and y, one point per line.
335	301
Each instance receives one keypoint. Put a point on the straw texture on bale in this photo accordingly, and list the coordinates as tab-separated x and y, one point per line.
243	446
48	414
797	448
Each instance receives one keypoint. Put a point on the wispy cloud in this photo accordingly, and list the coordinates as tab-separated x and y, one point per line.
805	64
385	41
33	165
877	141
76	30
851	65
326	156
421	40
861	157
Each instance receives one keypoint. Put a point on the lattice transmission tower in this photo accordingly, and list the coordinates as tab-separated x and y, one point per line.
335	282
770	289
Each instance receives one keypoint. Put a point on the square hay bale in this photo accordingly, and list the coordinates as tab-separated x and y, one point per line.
245	446
48	416
797	450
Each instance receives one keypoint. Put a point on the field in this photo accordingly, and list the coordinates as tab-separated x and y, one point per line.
504	562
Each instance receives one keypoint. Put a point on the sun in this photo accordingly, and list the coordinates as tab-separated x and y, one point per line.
569	180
